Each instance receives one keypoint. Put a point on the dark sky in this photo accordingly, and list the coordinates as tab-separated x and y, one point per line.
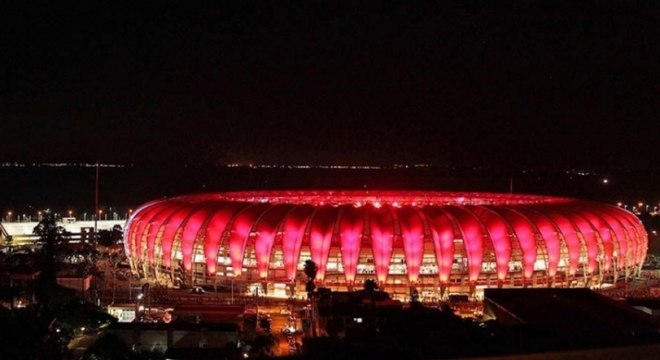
529	83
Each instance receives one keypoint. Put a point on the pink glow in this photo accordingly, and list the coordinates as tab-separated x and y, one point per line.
549	234
442	231
152	231
412	232
239	233
621	243
171	226
589	238
487	224
294	231
640	246
144	219
266	231
524	231
604	231
473	236
189	234
382	233
499	235
214	231
350	232
320	237
570	237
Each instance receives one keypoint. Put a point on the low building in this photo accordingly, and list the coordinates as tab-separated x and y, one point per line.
22	233
649	305
78	283
176	335
125	313
338	311
564	319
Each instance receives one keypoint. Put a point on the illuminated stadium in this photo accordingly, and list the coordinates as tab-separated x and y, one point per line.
437	242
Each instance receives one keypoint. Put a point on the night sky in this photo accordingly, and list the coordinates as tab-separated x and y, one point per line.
527	84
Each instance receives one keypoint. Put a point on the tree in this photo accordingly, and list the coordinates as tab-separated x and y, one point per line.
310	270
414	295
114	259
263	346
370	285
52	238
112	237
51	235
266	324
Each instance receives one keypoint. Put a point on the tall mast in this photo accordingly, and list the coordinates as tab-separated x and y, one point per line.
96	202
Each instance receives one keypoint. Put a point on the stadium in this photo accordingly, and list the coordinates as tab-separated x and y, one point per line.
435	242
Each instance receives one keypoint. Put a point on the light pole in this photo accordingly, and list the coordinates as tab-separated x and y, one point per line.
96	203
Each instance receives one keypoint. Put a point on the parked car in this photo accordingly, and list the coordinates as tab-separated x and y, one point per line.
197	290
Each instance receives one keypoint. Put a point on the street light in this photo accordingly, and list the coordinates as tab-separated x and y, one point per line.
9	213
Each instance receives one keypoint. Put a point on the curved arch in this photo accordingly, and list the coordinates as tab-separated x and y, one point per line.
320	237
351	229
151	233
141	222
239	231
604	232
550	233
216	226
136	218
412	233
442	233
266	230
191	228
500	236
170	228
622	236
381	229
569	234
588	234
472	233
525	234
293	229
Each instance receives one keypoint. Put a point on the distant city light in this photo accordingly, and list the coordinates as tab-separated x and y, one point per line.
605	181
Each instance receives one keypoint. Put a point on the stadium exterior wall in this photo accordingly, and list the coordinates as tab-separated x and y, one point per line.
436	241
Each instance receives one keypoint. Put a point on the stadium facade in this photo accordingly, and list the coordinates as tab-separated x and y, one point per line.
436	242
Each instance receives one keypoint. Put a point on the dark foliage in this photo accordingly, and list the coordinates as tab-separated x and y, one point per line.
370	285
112	237
310	269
